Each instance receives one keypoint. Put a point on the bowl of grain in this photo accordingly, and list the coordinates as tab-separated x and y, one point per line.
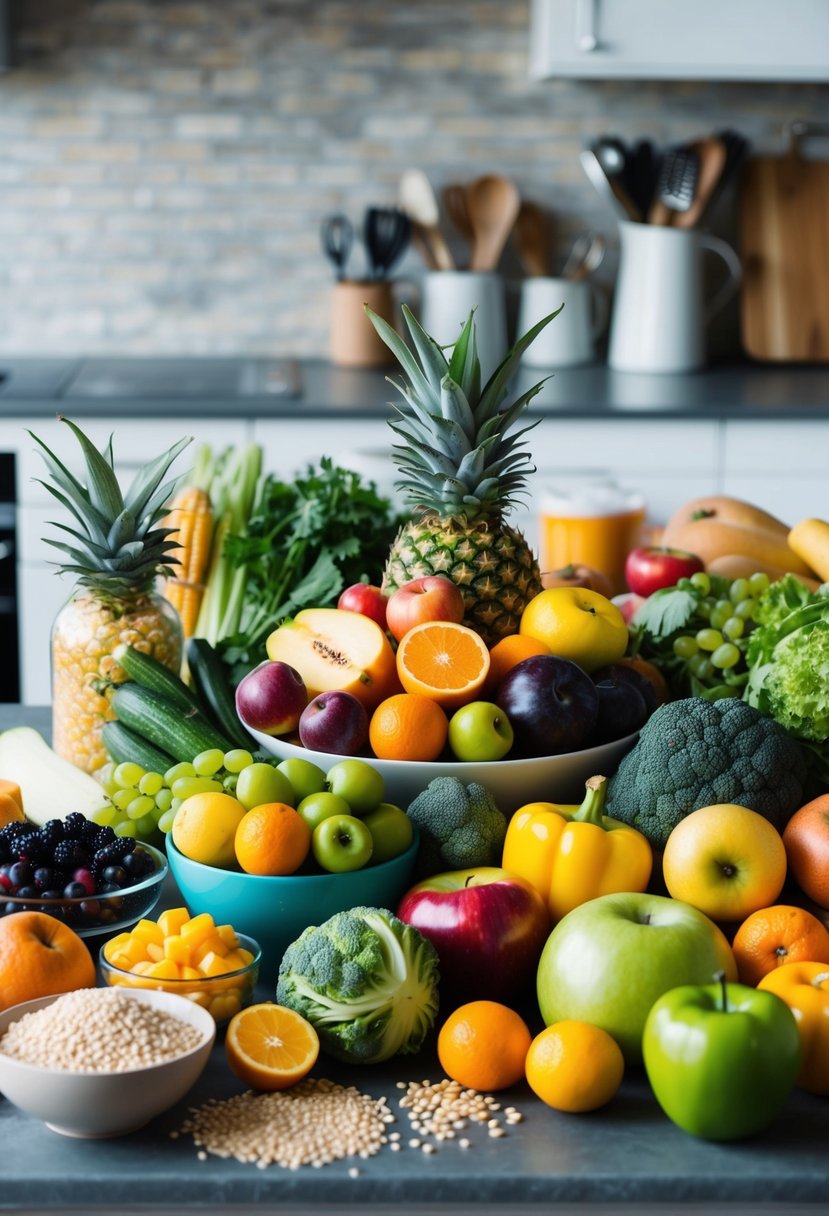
102	1062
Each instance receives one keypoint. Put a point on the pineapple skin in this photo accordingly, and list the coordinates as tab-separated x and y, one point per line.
86	631
489	561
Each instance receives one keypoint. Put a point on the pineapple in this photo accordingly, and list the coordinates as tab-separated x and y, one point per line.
116	551
462	467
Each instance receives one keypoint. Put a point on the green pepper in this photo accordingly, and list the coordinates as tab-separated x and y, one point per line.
721	1058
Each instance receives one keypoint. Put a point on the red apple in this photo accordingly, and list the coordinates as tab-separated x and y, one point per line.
271	698
365	598
433	598
651	568
488	926
628	604
334	722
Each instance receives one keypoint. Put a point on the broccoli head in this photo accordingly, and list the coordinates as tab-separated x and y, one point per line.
366	981
460	826
694	753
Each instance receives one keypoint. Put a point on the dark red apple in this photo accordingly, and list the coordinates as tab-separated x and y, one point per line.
334	722
488	926
271	698
551	703
365	598
651	568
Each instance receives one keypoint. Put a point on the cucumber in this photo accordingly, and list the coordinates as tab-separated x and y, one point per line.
157	719
149	673
124	744
209	676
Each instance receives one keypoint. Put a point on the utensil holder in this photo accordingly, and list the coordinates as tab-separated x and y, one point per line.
353	340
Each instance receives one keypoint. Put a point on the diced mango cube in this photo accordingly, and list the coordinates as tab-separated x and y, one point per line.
165	969
199	997
141	968
212	944
245	956
213	964
225	1005
148	931
228	935
170	922
114	945
155	952
190	973
177	948
130	952
234	961
198	929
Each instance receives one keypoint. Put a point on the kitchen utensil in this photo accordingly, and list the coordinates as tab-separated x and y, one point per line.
493	203
612	155
784	238
711	154
570	339
448	297
532	234
456	207
386	235
675	185
659	310
586	256
421	242
642	172
417	199
337	237
594	170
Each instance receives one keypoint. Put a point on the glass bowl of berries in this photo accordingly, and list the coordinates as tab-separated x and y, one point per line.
96	882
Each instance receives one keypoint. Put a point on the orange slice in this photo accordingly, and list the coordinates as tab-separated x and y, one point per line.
270	1047
444	661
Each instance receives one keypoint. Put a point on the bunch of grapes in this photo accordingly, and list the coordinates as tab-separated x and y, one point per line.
143	803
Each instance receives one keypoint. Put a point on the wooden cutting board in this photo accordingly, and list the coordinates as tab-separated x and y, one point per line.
784	239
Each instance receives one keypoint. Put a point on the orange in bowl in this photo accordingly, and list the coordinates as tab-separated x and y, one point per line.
408	726
272	839
443	661
508	653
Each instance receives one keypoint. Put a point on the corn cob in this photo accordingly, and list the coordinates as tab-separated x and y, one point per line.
191	519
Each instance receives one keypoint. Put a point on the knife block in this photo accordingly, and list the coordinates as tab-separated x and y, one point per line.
353	340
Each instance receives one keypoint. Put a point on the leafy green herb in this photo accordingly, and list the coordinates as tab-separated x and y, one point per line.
666	611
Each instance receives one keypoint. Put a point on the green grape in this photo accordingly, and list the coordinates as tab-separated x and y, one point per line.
685	647
709	639
126	828
186	787
140	806
183	769
745	609
165	822
733	628
175	804
127	774
209	762
106	776
701	667
701	581
122	798
151	783
145	826
739	590
706	607
726	656
229	782
721	612
758	583
104	815
237	759
163	799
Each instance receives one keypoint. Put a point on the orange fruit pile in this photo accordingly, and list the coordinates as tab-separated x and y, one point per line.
574	1067
484	1045
773	936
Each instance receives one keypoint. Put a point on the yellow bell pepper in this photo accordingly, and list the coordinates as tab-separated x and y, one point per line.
573	854
805	989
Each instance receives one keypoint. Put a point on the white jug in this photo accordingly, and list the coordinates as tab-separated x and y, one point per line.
448	297
659	314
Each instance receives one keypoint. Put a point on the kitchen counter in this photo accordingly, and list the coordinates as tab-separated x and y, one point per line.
288	388
626	1158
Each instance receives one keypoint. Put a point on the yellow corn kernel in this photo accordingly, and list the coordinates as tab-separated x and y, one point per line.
171	921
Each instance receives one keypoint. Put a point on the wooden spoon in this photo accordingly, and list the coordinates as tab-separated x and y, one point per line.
493	203
417	198
532	232
712	155
455	205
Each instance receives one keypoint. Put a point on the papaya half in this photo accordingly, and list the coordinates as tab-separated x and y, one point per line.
725	509
718	526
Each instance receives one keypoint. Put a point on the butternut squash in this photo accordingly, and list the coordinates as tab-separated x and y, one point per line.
737	565
723	508
711	538
810	541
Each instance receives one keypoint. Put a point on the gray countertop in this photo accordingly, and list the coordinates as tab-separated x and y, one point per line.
628	1156
274	388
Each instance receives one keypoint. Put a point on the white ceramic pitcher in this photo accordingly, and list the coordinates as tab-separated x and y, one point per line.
659	312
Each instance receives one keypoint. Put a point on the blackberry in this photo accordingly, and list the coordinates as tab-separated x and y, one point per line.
75	823
122	845
29	844
103	837
89	833
10	831
68	855
51	833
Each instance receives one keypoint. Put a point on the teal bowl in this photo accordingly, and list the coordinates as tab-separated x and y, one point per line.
275	910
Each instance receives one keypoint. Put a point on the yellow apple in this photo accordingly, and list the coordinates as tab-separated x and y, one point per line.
725	860
577	624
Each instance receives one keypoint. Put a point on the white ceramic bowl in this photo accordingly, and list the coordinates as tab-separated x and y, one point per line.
95	1105
512	783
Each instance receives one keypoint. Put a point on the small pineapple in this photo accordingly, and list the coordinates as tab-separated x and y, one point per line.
116	551
462	467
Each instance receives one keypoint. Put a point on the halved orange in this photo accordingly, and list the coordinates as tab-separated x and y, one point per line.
270	1047
444	661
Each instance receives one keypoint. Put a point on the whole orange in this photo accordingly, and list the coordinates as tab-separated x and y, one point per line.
574	1066
272	839
40	956
484	1045
504	655
408	726
772	937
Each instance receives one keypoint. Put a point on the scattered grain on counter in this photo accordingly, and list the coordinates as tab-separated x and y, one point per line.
443	1108
98	1030
313	1123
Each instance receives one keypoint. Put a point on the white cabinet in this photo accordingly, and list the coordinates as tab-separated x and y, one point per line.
780	465
656	39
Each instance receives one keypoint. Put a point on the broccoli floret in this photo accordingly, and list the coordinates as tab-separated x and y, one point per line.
460	826
693	753
366	981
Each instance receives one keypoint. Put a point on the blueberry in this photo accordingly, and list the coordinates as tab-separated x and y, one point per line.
28	892
116	876
74	890
20	874
52	893
44	877
90	908
108	888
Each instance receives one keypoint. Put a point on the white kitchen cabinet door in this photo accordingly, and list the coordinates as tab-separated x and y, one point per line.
660	40
363	445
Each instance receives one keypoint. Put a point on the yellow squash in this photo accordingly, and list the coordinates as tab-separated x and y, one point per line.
573	854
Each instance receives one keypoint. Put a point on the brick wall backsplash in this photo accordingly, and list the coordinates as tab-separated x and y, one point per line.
165	164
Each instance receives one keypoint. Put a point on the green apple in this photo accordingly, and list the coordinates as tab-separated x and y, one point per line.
341	843
608	960
305	778
261	783
391	830
480	731
356	781
317	807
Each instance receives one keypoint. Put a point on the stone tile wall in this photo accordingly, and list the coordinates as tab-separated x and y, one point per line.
165	164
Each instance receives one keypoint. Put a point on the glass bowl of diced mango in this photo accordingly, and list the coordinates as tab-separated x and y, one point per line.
190	956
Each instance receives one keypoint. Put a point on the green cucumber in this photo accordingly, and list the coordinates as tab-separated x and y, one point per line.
149	673
124	744
209	676
181	733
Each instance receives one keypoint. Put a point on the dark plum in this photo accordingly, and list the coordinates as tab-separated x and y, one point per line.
551	703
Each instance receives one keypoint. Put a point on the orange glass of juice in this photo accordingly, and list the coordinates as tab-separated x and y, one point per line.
596	524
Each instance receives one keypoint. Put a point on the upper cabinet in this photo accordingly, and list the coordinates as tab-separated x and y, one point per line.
660	40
